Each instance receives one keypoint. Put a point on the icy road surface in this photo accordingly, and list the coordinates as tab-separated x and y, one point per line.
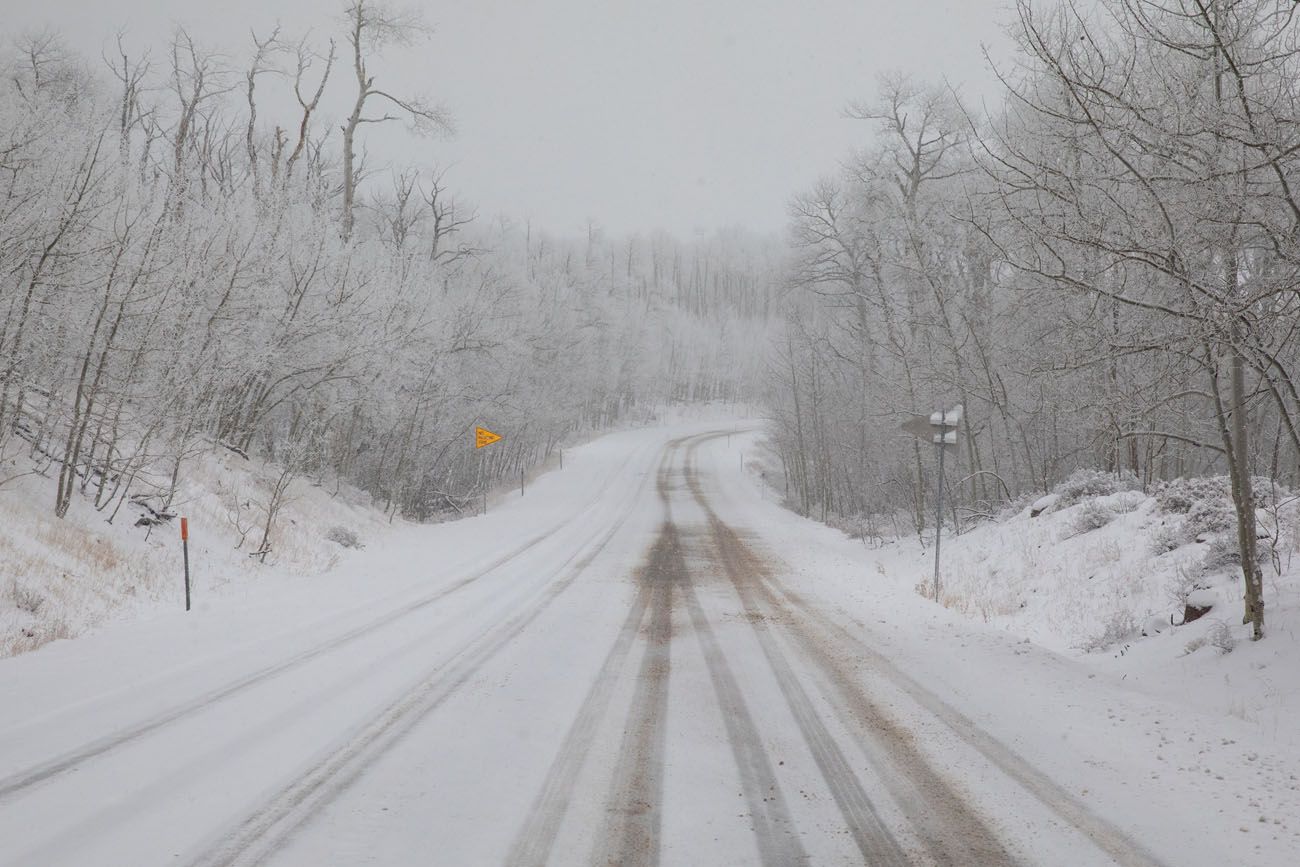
643	661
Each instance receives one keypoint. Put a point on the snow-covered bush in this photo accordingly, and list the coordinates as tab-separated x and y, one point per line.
343	536
1221	555
1178	496
1168	538
1090	516
1220	637
1087	484
1214	495
1181	587
1014	507
1210	516
1120	626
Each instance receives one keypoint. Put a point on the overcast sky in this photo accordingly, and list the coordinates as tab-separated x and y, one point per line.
642	114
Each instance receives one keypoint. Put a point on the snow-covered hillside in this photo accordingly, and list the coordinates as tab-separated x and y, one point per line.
1104	573
59	577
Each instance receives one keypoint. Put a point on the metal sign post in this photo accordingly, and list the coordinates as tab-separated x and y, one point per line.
940	440
484	437
185	549
945	427
941	429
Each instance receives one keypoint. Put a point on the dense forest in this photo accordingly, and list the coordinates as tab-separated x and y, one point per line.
1101	266
1103	269
183	271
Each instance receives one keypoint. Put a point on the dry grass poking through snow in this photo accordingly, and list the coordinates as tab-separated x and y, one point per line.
60	577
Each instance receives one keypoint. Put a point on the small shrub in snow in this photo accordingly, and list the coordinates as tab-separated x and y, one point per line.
1043	505
1014	507
1182	586
25	598
1210	516
1090	516
1177	496
1109	551
31	637
860	526
1088	484
343	536
1167	538
1221	555
1121	626
1220	637
1128	502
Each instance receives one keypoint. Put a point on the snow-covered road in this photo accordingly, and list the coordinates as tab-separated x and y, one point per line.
633	664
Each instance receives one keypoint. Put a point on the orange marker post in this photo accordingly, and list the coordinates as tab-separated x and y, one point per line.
185	548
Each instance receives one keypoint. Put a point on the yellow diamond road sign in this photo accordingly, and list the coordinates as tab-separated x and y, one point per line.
484	437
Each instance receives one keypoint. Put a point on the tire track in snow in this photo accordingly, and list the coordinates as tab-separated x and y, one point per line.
1123	849
634	813
634	810
950	831
775	830
873	838
268	828
533	844
778	837
818	635
29	777
47	770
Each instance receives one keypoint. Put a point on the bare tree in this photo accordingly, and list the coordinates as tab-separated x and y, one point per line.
131	75
197	80
308	104
265	48
449	219
371	27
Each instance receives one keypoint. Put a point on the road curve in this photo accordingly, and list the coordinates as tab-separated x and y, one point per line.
641	683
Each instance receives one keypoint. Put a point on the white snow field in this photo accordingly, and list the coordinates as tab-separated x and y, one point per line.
644	660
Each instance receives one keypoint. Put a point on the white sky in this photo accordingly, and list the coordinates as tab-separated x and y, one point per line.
678	114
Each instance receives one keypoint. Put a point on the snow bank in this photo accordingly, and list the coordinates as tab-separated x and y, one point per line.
60	577
1105	574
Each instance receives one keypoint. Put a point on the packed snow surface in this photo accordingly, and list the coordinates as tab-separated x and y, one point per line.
645	658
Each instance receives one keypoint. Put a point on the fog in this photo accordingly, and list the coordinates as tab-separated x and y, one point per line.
678	115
